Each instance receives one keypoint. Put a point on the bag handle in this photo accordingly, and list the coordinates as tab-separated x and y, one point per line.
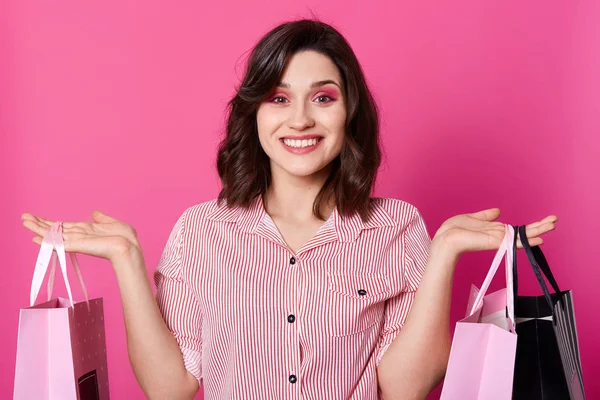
543	264
539	264
503	251
53	240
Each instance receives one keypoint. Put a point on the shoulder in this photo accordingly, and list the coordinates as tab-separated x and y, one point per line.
198	215
399	211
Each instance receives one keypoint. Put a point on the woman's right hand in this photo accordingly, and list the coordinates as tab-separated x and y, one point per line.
106	237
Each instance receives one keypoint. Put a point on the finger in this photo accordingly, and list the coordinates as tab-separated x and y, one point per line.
48	223
45	221
31	217
76	226
497	230
487	215
532	243
539	230
44	225
551	218
534	234
35	227
27	215
99	216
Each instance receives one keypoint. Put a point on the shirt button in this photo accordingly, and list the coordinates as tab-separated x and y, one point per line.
293	379
292	261
291	318
362	292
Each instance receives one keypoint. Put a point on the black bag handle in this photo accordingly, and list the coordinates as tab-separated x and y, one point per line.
541	261
538	263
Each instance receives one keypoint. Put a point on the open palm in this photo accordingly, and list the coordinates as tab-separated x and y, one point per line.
105	237
480	231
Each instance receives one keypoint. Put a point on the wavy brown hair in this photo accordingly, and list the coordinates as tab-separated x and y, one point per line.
244	167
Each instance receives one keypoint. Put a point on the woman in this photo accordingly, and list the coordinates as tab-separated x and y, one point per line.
294	283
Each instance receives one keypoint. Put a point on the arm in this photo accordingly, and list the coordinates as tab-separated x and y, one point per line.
153	351
163	334
164	338
415	362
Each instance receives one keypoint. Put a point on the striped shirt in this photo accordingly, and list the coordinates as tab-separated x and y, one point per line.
256	321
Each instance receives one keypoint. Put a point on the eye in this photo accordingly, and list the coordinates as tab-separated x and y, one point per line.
278	99
323	99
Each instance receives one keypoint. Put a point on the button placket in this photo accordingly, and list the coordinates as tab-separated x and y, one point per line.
291	318
293	297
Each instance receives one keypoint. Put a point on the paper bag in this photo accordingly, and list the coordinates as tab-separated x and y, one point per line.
483	349
61	346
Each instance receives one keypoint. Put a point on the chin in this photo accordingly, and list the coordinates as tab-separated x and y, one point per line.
301	171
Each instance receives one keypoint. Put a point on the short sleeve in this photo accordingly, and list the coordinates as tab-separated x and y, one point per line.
176	300
414	243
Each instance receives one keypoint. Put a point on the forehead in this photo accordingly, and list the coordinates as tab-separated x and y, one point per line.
307	67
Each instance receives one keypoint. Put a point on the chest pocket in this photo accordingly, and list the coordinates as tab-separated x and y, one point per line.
355	302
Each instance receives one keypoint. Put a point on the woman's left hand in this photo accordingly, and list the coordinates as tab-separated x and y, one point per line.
480	231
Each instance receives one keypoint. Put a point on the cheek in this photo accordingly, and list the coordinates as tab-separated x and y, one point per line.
338	125
336	121
260	120
266	124
336	113
267	121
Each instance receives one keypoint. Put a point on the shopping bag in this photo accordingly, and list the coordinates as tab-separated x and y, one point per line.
61	348
483	348
548	364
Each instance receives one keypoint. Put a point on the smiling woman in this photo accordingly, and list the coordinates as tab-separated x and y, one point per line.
307	118
304	94
294	282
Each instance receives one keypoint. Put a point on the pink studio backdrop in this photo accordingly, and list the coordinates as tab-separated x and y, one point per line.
119	105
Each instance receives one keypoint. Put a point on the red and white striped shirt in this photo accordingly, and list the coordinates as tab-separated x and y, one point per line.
256	321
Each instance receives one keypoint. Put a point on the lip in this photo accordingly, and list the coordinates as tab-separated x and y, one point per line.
303	137
301	150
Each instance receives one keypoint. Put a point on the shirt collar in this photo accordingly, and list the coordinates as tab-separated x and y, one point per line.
347	228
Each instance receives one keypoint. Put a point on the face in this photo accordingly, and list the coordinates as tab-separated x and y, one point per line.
301	123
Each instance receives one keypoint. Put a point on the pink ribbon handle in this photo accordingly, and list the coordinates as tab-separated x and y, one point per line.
54	241
505	251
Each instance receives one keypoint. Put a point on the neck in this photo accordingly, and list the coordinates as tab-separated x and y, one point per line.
293	196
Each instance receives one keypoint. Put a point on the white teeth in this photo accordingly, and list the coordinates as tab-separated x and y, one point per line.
300	143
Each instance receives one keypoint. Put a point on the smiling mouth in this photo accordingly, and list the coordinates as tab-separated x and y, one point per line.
299	144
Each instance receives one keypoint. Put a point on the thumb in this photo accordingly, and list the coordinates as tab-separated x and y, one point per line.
99	216
486	215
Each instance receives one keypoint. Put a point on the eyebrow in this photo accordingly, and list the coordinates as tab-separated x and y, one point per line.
313	85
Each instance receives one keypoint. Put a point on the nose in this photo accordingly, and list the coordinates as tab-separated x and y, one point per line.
300	117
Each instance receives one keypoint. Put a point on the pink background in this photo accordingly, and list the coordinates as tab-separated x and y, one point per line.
119	105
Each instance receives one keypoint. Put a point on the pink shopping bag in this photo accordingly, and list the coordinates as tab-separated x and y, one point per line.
482	357
61	348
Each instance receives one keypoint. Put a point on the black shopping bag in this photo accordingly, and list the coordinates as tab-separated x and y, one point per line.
547	364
